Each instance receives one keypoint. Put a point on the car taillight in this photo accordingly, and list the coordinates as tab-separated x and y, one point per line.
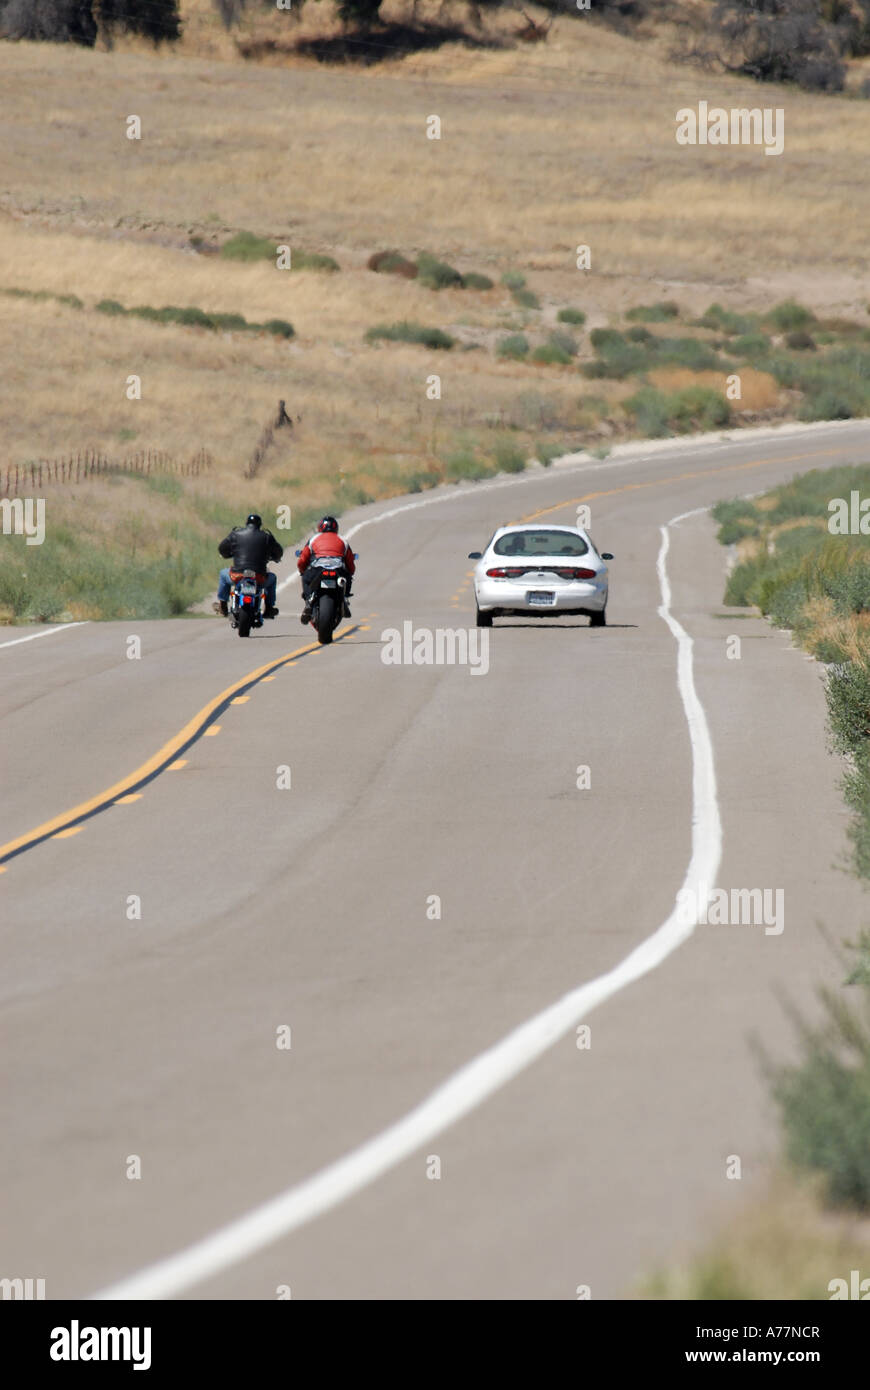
505	573
576	574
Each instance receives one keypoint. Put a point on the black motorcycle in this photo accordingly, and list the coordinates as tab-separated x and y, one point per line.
246	601
328	600
328	588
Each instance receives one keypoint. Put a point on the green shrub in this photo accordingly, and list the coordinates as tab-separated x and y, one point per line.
800	341
189	317
527	299
655	313
280	327
422	481
565	342
750	345
71	300
826	649
473	281
550	355
725	321
245	246
545	451
465	464
110	306
407	332
737	519
617	357
571	316
509	457
847	691
392	263
830	403
514	345
229	323
650	409
685	352
513	280
824	1099
435	274
698	408
693	408
313	260
639	334
788	316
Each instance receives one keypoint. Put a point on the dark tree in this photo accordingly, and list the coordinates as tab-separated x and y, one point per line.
157	20
55	21
780	41
80	21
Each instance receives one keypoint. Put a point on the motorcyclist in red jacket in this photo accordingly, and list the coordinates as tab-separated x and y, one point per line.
326	544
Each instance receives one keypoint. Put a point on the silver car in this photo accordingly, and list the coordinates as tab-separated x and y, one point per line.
537	569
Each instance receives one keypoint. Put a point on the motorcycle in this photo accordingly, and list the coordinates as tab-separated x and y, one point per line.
328	588
246	601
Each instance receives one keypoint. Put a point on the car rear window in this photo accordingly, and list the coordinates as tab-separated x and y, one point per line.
543	542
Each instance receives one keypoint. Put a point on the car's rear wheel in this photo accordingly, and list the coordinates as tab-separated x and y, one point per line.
598	619
484	619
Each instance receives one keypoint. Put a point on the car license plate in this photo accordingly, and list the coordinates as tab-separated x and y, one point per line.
540	596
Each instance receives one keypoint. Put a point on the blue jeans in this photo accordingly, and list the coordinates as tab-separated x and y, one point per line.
271	587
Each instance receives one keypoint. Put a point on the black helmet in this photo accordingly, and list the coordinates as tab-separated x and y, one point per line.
254	520
328	523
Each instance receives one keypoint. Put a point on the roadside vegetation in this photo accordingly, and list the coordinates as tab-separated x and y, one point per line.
811	1226
795	567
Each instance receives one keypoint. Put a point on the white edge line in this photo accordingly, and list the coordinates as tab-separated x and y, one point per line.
480	1078
46	632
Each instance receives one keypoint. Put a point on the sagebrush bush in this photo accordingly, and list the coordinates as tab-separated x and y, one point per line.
246	246
824	1099
788	316
749	345
551	355
280	327
392	263
526	299
725	321
514	345
655	313
409	332
737	519
474	281
565	342
509	457
436	274
570	315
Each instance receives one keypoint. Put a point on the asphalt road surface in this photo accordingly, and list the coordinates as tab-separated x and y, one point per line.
431	880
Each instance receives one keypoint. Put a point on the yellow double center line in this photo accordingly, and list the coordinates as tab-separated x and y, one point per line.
194	729
161	760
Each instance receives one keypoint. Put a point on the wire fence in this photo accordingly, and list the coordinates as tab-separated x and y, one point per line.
80	467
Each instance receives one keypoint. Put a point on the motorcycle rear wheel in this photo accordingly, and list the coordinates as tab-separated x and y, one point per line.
325	619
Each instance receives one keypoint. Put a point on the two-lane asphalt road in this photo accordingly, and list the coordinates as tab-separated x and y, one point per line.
431	879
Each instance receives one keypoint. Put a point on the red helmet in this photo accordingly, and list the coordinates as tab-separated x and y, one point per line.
328	523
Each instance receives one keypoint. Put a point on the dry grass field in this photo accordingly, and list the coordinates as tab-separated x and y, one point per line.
543	147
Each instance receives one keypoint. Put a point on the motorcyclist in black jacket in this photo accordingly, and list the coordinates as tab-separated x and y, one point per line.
249	547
